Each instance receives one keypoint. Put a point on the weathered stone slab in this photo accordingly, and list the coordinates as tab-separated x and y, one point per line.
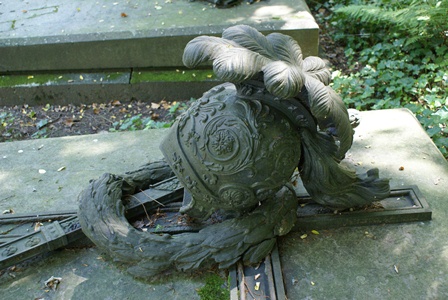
54	35
399	261
90	87
394	261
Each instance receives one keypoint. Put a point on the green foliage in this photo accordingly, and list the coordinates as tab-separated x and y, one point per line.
417	20
398	55
137	122
6	119
178	107
214	289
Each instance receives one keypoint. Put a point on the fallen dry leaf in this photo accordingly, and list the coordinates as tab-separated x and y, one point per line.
37	226
53	282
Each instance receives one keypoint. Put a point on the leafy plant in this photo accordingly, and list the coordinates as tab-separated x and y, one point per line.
398	54
417	20
6	119
136	122
178	107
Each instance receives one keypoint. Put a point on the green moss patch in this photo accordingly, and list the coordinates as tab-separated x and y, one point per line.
214	289
59	79
173	76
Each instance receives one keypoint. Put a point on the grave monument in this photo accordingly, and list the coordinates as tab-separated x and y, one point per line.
233	153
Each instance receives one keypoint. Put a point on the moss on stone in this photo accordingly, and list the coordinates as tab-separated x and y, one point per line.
214	289
172	76
58	78
27	80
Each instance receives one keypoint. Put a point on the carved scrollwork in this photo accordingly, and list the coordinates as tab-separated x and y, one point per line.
242	142
235	195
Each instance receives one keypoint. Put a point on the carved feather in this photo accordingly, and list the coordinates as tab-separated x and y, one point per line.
315	67
286	48
332	185
102	218
282	79
204	48
330	112
238	64
250	39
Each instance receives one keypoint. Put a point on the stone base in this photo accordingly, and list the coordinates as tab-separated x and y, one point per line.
394	261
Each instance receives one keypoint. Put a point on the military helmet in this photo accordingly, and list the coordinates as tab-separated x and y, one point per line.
231	151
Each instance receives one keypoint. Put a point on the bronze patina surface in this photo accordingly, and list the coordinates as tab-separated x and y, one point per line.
235	151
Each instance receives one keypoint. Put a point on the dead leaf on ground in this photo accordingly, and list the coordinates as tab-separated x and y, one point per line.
69	122
37	226
53	282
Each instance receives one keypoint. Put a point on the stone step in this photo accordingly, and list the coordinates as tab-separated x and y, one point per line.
51	35
89	87
46	46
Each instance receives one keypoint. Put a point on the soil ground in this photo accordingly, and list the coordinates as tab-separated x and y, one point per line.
22	122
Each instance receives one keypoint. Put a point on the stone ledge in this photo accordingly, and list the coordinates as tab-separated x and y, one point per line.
124	85
49	35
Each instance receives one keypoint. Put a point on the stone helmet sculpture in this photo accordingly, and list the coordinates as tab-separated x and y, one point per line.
234	151
241	142
231	151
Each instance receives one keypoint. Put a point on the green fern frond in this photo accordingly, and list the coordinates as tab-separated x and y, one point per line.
363	13
417	21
